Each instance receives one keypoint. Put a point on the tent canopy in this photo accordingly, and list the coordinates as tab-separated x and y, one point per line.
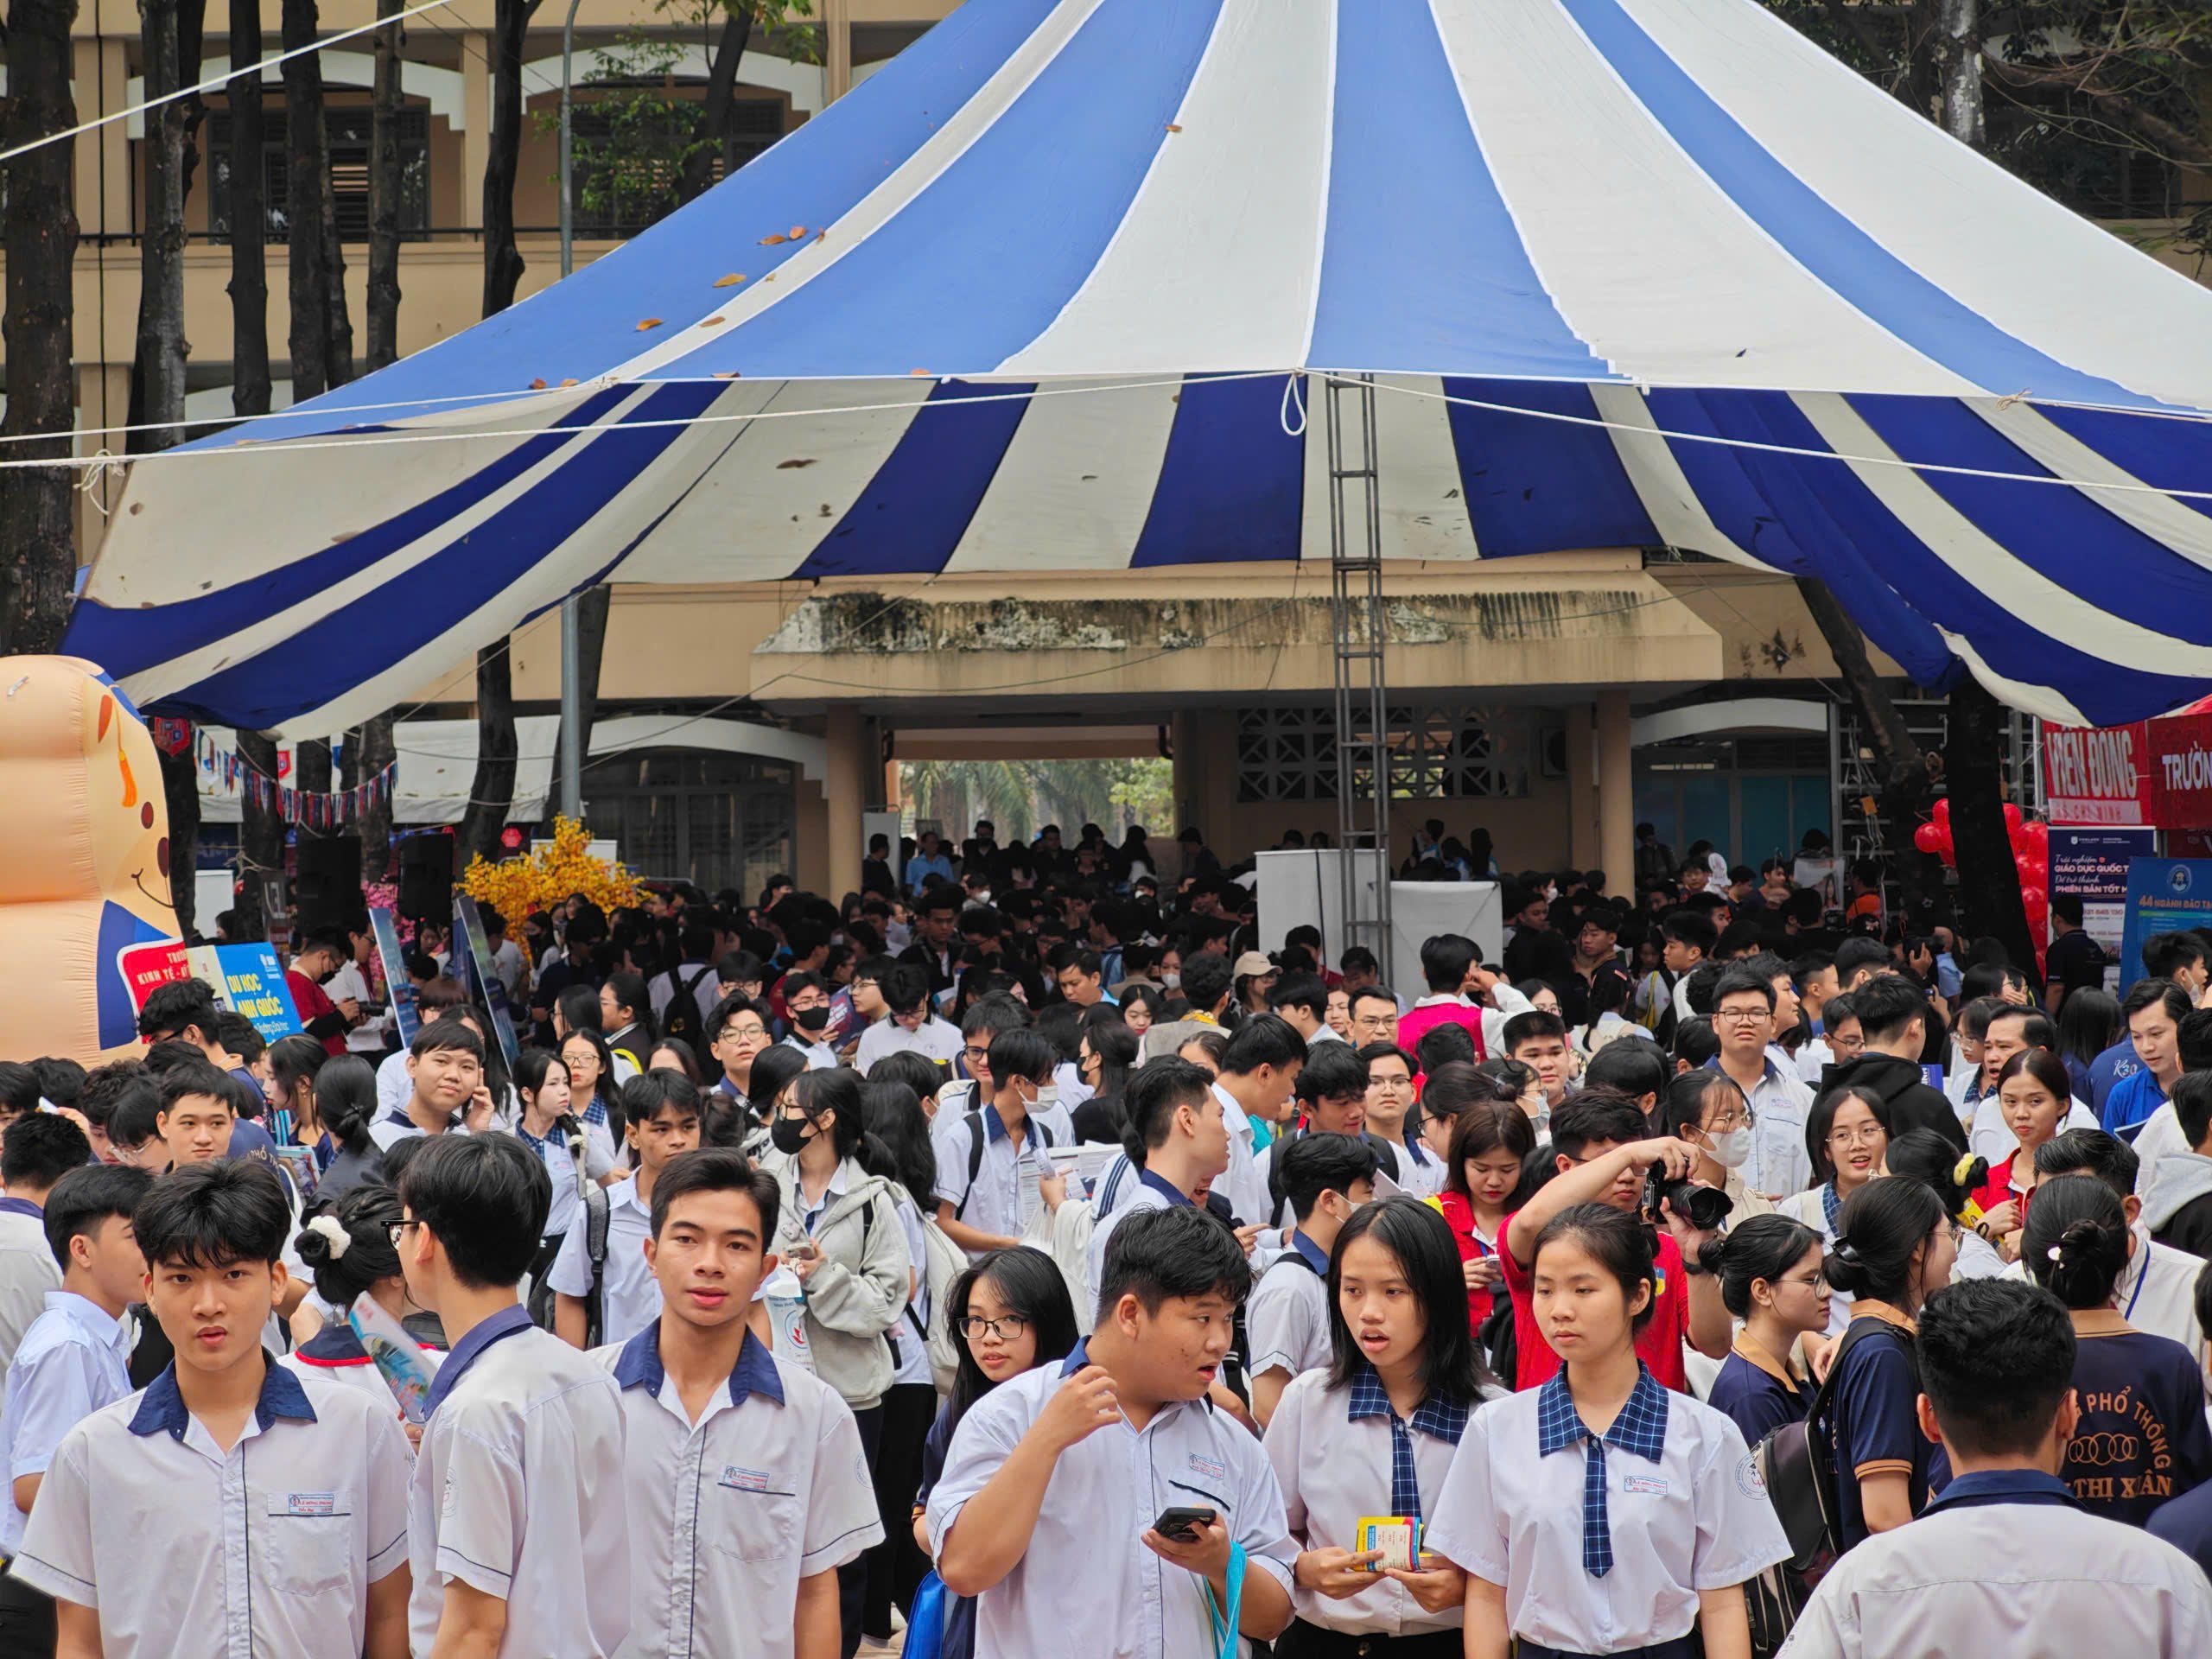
1053	289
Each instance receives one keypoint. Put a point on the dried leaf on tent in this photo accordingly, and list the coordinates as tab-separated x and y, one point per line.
725	374
538	384
712	322
823	232
921	374
570	381
770	241
730	280
138	507
795	463
1172	127
797	232
648	322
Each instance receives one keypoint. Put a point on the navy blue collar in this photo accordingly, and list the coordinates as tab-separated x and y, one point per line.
1167	1189
1640	1428
163	1407
1310	1252
334	1344
995	1128
1436	1417
1984	1486
1078	1356
507	1322
1414	1146
755	1374
21	1207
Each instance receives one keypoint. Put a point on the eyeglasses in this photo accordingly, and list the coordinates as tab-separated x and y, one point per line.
971	1053
397	1231
1729	1122
1868	1134
1741	1016
1007	1327
1818	1284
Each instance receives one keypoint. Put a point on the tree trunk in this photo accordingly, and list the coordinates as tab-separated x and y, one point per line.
1989	882
384	188
503	265
249	221
307	173
161	347
591	634
1902	795
492	790
181	791
340	317
38	552
191	44
715	113
261	830
376	750
1956	47
311	775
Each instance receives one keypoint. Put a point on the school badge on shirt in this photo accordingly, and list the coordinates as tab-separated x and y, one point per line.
743	1480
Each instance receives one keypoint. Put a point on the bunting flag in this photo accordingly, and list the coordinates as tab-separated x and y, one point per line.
309	809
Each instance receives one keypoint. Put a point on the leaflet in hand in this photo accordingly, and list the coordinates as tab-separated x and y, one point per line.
398	1356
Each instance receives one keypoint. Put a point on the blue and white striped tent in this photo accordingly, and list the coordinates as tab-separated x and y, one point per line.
1048	291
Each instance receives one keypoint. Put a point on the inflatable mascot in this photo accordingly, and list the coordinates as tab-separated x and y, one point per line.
84	860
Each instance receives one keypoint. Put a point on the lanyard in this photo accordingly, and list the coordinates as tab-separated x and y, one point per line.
1222	1623
2136	1296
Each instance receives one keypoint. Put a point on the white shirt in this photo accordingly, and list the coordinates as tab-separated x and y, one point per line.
1287	1321
560	1164
28	1272
393	1084
937	1039
519	1493
2042	1578
1779	1164
911	1332
1086	1570
1138	1193
1244	1184
630	1296
195	1553
2160	1135
1334	1469
1698	1519
367	1038
726	1515
994	1204
2155	1292
507	969
74	1361
334	1354
1990	1139
820	1057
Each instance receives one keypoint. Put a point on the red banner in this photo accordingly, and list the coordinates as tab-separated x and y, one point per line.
2156	772
146	966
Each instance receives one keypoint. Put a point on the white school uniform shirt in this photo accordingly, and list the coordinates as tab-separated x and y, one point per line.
729	1514
334	1354
630	1296
1779	1164
1333	1454
1695	1518
1244	1183
2006	1563
189	1551
820	1057
993	1205
561	1164
1086	1570
28	1271
935	1039
1142	1190
366	1038
1287	1321
911	1333
393	1084
2155	1291
1990	1139
74	1361
519	1493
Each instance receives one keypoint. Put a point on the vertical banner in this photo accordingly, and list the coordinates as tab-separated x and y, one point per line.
402	988
146	967
252	983
2092	864
276	911
476	953
2164	896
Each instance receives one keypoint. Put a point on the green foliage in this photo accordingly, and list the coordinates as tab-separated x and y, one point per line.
1020	797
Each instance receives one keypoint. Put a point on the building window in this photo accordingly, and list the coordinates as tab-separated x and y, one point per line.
715	819
347	127
1437	751
628	154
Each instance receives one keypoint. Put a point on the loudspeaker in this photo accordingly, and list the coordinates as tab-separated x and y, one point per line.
327	889
426	877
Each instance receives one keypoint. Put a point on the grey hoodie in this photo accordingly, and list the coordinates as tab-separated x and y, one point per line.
859	1293
2180	1177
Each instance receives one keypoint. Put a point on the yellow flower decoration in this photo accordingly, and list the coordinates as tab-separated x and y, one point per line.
548	875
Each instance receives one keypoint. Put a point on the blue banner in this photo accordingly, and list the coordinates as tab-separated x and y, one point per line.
2164	896
253	985
2092	865
473	951
398	986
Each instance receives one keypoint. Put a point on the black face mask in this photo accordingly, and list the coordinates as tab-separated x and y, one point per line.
811	1019
789	1134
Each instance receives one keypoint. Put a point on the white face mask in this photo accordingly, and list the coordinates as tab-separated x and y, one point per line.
1173	981
1730	1150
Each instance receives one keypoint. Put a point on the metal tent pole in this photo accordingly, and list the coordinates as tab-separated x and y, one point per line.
1360	625
572	697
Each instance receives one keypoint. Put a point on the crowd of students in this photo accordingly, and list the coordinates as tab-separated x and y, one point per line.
1023	1258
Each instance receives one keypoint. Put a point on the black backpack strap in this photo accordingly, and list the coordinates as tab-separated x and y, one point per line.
975	1161
598	1209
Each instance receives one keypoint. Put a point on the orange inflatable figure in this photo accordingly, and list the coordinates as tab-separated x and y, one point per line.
84	860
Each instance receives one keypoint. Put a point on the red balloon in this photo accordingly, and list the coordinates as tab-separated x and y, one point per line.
2026	866
2011	816
1943	811
1928	838
1945	849
2036	901
2036	835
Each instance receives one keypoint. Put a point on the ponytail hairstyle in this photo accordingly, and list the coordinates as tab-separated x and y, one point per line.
836	1090
347	1244
1926	1157
292	1061
346	1099
1880	1235
2075	1241
1618	1241
1759	1247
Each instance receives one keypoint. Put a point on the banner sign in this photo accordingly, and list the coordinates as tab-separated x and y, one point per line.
2092	864
249	980
397	982
2164	896
2155	772
146	967
475	954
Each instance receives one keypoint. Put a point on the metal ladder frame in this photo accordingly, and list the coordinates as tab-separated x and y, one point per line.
1361	628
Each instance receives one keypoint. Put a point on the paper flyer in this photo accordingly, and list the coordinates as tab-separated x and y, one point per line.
398	1356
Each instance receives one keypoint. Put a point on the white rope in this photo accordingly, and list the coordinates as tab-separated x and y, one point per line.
224	423
1292	398
213	81
96	471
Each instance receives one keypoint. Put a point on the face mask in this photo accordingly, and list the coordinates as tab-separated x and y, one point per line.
811	1019
1173	981
789	1134
1730	1150
984	897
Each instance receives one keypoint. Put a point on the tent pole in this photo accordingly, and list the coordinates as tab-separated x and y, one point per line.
572	700
1360	626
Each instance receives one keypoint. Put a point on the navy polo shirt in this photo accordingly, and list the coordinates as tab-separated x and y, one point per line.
1755	1399
1873	1424
2142	1439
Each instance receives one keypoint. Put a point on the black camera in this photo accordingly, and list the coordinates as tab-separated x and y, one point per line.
1704	1207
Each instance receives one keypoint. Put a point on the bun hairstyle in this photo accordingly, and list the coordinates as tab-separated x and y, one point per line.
1925	1157
1759	1247
1879	1232
2076	1241
348	1245
1618	1242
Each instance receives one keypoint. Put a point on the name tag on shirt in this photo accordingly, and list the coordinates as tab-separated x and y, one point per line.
309	1505
743	1480
1644	1485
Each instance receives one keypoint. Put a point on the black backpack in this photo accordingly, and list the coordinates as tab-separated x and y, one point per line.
683	1024
1798	1463
975	1156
